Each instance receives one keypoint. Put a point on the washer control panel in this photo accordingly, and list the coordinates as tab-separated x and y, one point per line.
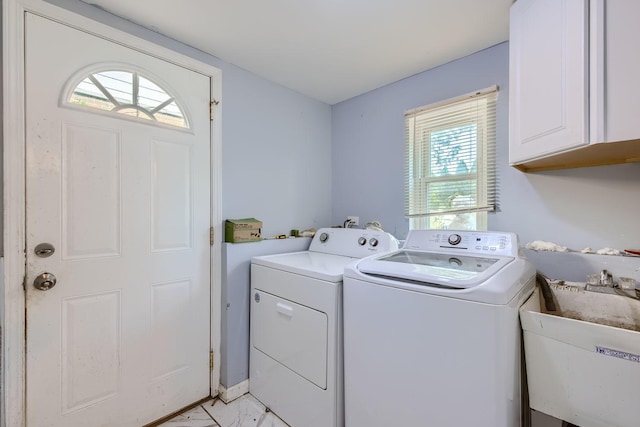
352	242
486	242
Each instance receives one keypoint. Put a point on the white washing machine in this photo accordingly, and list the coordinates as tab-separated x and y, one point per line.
431	332
296	325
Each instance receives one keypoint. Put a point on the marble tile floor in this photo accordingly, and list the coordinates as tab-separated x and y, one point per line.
245	411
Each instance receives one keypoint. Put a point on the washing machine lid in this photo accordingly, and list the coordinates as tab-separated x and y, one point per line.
317	265
438	269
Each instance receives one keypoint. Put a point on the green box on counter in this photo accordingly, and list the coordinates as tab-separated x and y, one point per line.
242	230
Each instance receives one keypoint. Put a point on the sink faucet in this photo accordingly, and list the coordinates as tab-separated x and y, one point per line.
606	279
606	285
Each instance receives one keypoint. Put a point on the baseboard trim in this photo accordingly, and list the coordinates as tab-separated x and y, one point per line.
232	393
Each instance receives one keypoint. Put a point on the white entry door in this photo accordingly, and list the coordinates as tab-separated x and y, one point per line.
118	186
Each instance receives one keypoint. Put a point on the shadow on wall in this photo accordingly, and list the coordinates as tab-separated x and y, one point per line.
596	206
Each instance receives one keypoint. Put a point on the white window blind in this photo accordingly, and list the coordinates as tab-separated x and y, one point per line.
450	162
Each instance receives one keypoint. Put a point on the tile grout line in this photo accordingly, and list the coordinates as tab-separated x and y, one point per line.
207	412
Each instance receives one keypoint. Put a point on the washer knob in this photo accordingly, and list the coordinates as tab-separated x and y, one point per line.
373	242
454	239
362	241
455	262
324	237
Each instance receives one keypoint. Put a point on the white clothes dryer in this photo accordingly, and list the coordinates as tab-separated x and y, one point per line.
295	366
431	332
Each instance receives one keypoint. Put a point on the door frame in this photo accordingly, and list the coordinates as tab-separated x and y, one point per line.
12	295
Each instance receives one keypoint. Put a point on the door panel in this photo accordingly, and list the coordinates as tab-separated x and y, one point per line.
169	319
171	192
90	337
123	337
91	197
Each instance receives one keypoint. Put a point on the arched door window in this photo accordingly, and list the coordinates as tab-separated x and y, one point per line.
129	93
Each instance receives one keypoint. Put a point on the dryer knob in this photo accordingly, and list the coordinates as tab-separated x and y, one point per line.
324	237
256	297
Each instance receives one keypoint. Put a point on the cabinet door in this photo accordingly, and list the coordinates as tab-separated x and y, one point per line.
622	65
548	77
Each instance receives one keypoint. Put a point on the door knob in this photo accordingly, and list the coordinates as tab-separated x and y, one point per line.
44	282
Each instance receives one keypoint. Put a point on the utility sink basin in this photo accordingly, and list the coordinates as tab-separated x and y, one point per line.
596	306
583	360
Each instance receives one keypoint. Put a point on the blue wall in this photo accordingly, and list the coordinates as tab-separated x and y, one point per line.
594	207
276	154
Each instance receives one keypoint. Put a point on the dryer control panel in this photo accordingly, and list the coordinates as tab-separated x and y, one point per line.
352	242
480	242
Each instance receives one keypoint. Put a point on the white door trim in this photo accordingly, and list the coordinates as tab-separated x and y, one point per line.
12	300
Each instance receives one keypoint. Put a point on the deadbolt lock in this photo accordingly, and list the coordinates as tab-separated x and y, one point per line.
44	250
44	281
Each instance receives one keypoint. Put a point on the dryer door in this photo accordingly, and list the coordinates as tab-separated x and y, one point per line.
292	334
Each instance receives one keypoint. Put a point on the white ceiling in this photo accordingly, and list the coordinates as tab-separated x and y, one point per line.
330	50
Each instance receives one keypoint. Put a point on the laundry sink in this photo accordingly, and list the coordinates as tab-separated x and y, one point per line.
583	360
576	301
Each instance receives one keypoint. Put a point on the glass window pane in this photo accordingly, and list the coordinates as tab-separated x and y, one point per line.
453	151
172	115
88	94
150	95
451	195
463	221
133	112
119	84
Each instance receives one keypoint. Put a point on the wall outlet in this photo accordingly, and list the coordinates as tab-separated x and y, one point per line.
354	220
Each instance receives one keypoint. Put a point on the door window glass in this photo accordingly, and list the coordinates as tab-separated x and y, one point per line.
128	93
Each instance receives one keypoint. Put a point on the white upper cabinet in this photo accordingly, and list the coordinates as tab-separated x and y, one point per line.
549	77
574	83
622	59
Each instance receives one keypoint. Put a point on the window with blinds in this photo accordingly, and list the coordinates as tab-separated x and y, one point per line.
450	178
